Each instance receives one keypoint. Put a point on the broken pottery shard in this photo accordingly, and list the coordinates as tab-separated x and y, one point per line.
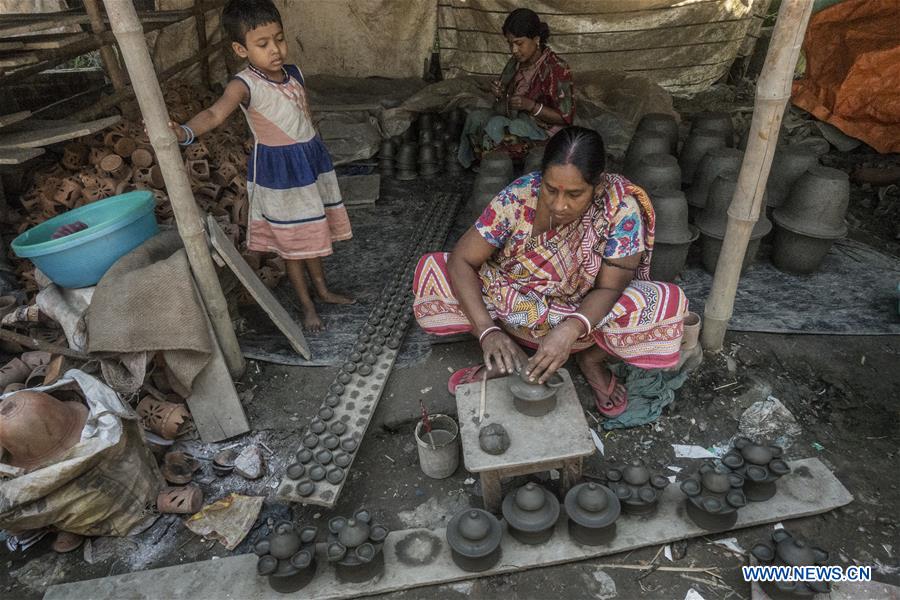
249	463
493	439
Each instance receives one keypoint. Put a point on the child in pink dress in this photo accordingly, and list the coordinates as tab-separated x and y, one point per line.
295	204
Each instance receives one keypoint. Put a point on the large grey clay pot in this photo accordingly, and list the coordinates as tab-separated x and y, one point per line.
671	212
663	123
668	260
714	163
657	172
817	203
788	164
712	246
489	184
497	163
533	160
642	144
698	143
719	122
406	155
797	253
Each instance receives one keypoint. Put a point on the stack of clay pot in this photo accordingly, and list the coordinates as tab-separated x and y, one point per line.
405	161
714	219
496	172
674	235
533	160
642	144
386	158
714	163
708	131
662	123
656	173
788	164
428	159
811	219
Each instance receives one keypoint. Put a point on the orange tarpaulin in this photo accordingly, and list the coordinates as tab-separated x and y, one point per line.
853	71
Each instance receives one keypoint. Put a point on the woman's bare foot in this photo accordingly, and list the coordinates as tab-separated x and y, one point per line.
311	320
332	298
610	393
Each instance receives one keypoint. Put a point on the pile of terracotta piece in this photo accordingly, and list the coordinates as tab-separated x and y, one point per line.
121	159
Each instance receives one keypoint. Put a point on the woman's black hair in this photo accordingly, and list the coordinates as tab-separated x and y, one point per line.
578	146
241	16
524	22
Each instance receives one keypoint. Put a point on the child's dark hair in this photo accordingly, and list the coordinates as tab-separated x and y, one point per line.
241	16
578	146
524	22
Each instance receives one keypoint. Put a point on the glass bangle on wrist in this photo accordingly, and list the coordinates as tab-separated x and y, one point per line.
190	136
588	328
487	332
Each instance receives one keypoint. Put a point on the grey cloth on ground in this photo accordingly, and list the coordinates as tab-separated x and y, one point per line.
147	302
649	391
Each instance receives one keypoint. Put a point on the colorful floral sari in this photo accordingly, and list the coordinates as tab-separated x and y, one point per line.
532	284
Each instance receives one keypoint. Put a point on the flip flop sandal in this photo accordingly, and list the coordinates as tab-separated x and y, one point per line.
603	398
185	500
464	376
66	542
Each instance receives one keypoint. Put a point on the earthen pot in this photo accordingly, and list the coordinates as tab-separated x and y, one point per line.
36	429
75	156
698	143
817	203
124	146
692	324
720	122
531	512
474	537
788	165
658	172
533	160
798	253
497	164
142	158
714	163
673	235
785	550
113	165
663	123
592	509
387	149
642	144
427	154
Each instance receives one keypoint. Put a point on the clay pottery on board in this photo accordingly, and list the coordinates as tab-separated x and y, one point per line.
287	557
714	163
673	235
663	123
474	537
355	547
787	550
532	398
719	122
36	429
714	219
637	489
643	143
760	465
658	172
697	144
531	512
788	165
592	509
714	495
497	164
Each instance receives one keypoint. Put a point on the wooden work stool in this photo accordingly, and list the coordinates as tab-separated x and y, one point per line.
557	440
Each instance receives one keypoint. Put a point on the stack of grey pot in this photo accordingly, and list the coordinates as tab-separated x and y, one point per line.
788	164
708	131
533	160
811	219
386	158
405	161
431	147
495	173
713	221
714	163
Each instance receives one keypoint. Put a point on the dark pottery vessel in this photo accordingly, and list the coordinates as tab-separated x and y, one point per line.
787	550
497	164
671	210
720	122
534	399
798	253
760	466
663	123
287	557
714	496
698	143
533	160
531	513
592	509
714	163
669	260
355	547
493	439
788	165
657	172
643	143
637	489
474	537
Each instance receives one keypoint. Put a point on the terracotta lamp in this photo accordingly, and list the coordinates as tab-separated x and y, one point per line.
36	429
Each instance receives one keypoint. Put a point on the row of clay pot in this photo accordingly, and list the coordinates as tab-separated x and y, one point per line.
429	142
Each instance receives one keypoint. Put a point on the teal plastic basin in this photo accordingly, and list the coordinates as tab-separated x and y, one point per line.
116	226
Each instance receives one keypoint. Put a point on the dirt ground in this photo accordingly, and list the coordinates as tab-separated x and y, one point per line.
842	391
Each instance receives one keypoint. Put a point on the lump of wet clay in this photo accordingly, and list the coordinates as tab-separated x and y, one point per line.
493	439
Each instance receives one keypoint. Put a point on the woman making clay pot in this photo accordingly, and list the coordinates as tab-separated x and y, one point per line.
534	96
559	261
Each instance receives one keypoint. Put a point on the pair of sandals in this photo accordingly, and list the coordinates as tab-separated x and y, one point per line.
609	404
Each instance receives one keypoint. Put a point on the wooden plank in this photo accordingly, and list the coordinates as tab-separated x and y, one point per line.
53	133
260	292
214	403
20	24
11	44
47	41
18	59
811	489
16	156
559	435
14	117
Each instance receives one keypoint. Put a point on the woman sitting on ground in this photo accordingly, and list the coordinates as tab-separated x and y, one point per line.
559	261
534	95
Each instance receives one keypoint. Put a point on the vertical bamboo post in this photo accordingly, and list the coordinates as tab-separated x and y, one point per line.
107	53
130	36
772	93
202	41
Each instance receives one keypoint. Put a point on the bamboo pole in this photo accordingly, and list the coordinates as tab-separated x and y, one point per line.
130	35
772	93
200	25
107	53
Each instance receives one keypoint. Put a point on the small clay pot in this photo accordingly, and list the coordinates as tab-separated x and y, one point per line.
663	123
714	163
124	146
719	122
711	247
198	170
184	500
157	181
74	156
817	204
671	211
692	324
642	144
714	218
113	166
387	149
657	172
788	165
406	156
497	164
533	160
698	143
142	158
427	155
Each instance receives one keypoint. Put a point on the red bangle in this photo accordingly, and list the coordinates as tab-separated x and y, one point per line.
487	332
588	328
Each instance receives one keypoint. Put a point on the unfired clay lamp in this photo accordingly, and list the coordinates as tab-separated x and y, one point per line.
636	487
531	512
759	465
788	550
714	496
354	546
287	558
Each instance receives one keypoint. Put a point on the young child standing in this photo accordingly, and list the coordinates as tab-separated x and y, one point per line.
295	204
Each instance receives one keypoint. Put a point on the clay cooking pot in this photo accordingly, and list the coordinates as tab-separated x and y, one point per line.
36	428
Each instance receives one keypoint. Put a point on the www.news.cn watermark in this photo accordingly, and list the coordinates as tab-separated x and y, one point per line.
811	573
